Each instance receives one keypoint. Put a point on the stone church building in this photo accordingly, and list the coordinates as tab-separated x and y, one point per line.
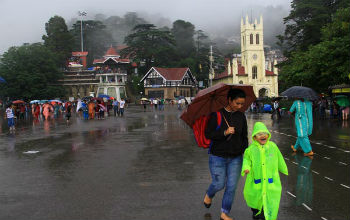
250	67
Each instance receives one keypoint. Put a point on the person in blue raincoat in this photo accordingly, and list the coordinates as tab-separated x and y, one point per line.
303	124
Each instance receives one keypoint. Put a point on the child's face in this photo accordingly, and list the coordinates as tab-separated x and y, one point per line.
261	137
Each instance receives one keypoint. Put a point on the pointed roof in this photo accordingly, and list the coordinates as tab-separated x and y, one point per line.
113	55
172	73
111	52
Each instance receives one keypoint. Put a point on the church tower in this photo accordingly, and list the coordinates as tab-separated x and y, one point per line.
252	50
250	67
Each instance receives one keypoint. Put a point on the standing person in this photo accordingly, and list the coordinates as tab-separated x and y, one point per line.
109	106
36	111
144	103
346	111
179	104
115	107
155	101
56	109
276	109
323	106
46	110
10	116
68	111
91	107
262	163
22	111
121	107
85	110
229	141
303	124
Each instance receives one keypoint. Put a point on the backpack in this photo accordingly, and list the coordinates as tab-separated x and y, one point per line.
199	130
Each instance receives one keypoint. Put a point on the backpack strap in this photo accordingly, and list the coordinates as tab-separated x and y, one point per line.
218	120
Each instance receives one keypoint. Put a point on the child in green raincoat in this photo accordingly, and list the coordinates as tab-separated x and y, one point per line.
262	163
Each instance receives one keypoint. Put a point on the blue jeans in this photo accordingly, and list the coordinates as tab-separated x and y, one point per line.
224	172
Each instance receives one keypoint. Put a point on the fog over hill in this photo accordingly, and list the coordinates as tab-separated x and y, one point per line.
25	20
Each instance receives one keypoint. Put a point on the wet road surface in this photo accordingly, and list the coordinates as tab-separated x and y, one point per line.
146	165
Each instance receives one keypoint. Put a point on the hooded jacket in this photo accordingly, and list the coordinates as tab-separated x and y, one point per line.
263	185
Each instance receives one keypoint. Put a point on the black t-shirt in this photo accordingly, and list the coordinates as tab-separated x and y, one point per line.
226	146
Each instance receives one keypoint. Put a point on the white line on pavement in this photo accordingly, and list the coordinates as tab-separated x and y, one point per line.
286	158
327	158
307	207
294	162
315	172
343	163
323	218
291	194
345	186
328	178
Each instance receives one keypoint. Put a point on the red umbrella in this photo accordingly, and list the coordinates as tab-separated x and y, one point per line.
96	98
213	99
18	102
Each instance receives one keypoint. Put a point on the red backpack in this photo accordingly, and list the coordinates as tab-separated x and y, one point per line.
199	130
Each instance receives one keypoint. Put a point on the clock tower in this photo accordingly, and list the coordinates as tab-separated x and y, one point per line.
252	50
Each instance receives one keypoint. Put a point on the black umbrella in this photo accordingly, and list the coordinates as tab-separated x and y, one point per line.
301	92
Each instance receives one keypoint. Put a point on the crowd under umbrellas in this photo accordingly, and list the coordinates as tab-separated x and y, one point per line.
87	108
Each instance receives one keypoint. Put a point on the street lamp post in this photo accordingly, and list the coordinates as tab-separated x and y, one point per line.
81	14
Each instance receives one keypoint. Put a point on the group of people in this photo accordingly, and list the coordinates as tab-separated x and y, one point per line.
91	109
335	111
53	110
230	157
159	103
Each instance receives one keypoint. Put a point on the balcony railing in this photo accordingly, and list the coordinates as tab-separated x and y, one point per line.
112	83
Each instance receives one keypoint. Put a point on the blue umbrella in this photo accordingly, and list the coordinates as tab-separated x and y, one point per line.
104	96
2	80
34	101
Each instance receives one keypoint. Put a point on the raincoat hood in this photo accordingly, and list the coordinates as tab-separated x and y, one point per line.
260	127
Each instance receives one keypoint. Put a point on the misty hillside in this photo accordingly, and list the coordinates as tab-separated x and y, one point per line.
225	36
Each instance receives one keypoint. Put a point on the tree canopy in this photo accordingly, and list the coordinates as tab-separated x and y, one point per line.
316	45
150	45
95	38
183	33
58	39
31	72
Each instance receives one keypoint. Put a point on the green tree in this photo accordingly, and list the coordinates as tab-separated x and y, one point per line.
58	39
305	21
183	33
326	63
31	72
150	46
96	38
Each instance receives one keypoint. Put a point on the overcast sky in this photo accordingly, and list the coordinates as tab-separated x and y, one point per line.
23	21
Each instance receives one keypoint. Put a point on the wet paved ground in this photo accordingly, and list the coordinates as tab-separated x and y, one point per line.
147	166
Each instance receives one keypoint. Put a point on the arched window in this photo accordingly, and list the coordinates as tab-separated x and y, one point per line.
255	72
257	39
251	38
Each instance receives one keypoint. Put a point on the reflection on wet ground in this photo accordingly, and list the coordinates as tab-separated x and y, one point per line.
146	165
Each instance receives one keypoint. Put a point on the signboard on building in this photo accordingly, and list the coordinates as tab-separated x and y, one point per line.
200	84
